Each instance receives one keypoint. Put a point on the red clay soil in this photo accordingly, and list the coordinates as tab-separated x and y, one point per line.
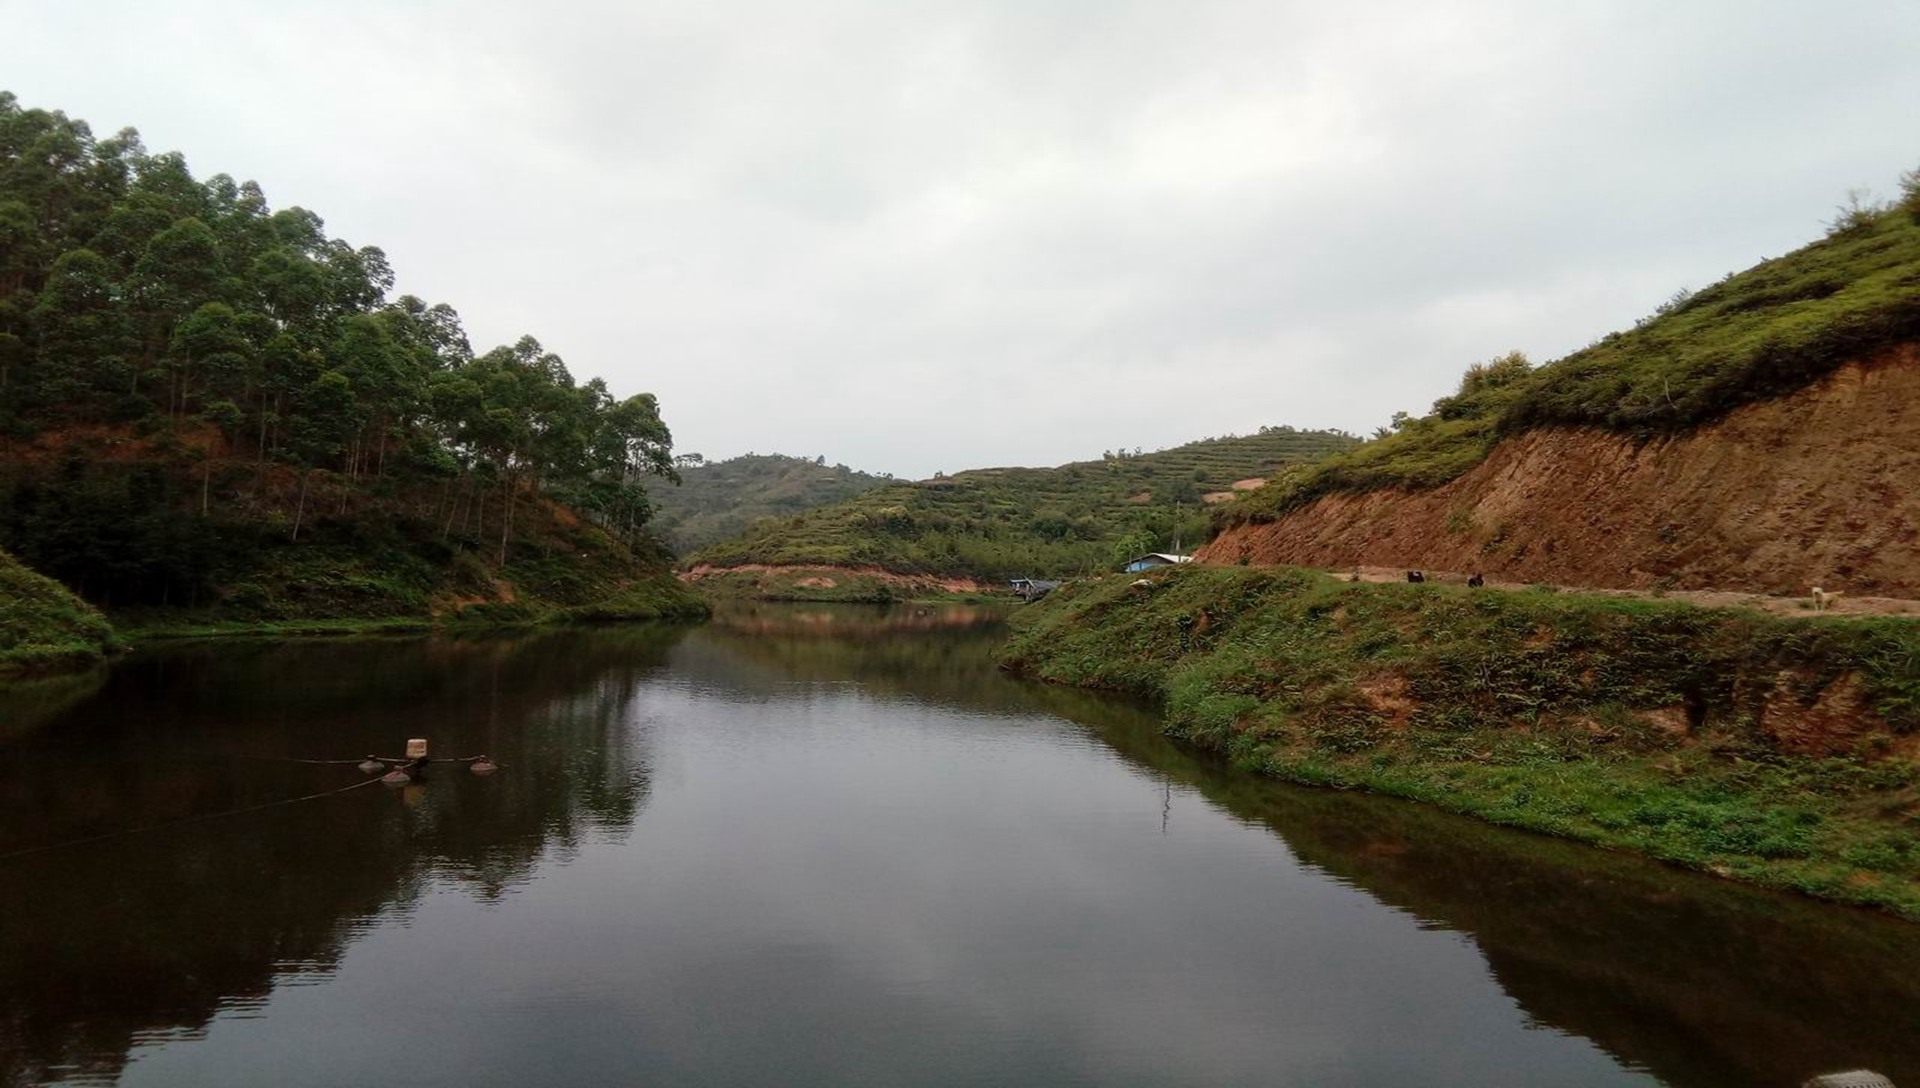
114	442
1820	487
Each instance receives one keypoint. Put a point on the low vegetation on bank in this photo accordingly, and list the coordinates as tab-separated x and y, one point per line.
1780	751
999	523
1755	335
43	626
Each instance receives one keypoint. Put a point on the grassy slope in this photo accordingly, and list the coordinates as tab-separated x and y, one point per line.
43	625
1769	330
1641	725
723	499
1005	522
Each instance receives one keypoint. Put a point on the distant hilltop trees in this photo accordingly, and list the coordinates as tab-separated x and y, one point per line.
721	499
996	523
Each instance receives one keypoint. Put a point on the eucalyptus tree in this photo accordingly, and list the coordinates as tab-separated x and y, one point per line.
134	296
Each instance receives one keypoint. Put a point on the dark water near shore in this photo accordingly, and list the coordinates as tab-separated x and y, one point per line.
811	846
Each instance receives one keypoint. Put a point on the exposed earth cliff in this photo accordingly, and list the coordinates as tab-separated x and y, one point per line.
1819	487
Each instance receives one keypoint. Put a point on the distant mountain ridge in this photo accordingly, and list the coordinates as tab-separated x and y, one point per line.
996	523
721	499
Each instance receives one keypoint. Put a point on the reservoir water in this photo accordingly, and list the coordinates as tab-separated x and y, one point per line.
826	846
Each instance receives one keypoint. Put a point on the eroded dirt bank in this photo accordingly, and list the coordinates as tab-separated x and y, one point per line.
1821	487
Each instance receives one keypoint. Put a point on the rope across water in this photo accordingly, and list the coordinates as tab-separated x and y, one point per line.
242	811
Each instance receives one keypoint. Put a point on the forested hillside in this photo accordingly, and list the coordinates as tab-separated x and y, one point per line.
721	499
206	401
1008	522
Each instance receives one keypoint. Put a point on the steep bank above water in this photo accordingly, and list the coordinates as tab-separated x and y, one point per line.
1778	751
43	626
1813	488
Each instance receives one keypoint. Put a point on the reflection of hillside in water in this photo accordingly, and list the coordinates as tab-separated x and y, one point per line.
1703	983
101	944
854	620
933	653
1700	982
26	704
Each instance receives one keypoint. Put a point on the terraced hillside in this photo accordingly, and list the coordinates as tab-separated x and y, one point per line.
999	523
721	499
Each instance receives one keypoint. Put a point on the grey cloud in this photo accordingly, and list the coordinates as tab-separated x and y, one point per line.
928	235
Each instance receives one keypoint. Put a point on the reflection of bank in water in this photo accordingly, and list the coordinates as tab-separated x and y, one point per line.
1700	981
153	934
851	620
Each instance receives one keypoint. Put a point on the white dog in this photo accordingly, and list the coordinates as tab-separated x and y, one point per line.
1823	600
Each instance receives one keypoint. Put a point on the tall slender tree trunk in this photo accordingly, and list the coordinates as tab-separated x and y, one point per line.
301	512
453	507
506	523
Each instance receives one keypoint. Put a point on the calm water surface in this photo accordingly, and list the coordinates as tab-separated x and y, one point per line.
807	846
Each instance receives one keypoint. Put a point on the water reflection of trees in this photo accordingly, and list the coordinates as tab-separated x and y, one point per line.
26	704
936	653
1700	982
103	943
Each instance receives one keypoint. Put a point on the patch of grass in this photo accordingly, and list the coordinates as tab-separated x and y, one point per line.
43	626
657	598
1652	726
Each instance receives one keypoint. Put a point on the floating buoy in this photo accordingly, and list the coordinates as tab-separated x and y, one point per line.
483	765
396	778
372	766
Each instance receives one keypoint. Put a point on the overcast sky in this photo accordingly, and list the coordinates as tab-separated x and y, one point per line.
919	236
